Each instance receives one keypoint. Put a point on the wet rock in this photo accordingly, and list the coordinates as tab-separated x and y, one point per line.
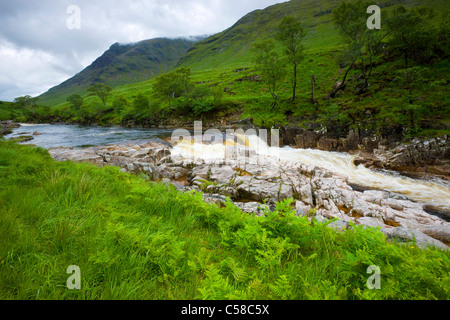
328	144
22	139
307	140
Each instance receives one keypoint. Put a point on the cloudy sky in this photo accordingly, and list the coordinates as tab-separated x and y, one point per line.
44	42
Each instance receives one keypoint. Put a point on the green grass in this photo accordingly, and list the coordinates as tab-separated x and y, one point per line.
135	239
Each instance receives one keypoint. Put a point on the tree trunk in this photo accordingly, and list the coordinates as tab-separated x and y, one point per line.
275	98
313	83
406	59
333	93
295	82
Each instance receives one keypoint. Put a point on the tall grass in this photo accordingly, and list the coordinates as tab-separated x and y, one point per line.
133	239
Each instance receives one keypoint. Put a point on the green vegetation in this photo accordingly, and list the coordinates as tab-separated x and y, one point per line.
270	66
102	91
8	110
291	34
135	239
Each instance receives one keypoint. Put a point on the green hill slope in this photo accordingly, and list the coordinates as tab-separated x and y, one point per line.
231	46
121	65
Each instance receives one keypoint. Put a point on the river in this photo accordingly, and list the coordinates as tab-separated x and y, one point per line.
53	136
434	192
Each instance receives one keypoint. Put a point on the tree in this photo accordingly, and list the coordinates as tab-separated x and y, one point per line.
291	34
165	86
270	65
119	104
141	103
185	85
412	33
76	101
27	103
413	80
351	20
174	85
102	91
444	34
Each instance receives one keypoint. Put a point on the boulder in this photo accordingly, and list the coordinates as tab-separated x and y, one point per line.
439	232
406	235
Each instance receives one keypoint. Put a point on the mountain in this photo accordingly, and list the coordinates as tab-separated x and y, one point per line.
123	64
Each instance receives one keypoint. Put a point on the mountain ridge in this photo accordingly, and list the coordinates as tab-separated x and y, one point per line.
124	64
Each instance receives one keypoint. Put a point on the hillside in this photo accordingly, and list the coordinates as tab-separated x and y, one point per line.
123	64
231	47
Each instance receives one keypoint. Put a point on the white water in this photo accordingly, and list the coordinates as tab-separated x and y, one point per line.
433	192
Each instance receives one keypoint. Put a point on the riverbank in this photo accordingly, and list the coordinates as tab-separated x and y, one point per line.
135	239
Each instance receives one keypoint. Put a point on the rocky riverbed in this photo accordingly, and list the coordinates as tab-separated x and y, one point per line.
6	127
256	185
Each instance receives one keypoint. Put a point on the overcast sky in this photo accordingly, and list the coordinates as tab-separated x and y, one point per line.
43	43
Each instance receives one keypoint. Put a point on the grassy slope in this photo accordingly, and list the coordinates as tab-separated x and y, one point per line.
133	239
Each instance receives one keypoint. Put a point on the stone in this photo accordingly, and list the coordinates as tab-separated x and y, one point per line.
255	208
403	234
373	196
267	181
303	210
370	222
439	232
215	198
338	225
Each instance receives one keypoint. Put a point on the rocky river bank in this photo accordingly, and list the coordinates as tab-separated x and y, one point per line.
259	182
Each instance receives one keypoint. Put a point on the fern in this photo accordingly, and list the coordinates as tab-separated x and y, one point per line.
230	267
215	286
282	289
